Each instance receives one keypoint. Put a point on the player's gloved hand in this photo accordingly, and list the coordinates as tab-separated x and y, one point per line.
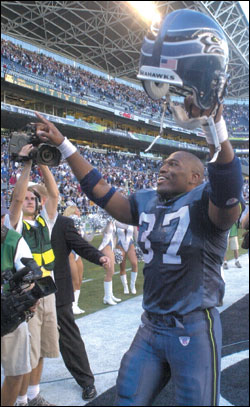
193	111
210	120
192	117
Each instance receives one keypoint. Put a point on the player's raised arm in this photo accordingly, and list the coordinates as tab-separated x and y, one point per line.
226	182
21	186
225	175
91	181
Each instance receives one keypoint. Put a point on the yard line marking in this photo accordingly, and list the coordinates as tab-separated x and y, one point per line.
91	279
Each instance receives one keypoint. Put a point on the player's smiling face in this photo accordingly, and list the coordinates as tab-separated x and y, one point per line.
174	176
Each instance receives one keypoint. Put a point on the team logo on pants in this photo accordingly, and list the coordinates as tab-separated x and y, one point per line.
184	340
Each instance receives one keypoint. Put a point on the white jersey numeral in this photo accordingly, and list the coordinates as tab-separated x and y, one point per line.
171	256
150	220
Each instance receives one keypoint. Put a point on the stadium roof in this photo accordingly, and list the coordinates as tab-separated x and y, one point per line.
107	35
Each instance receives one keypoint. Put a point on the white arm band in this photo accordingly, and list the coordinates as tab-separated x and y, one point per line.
221	130
67	148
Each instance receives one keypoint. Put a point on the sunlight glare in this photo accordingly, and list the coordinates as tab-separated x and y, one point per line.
147	10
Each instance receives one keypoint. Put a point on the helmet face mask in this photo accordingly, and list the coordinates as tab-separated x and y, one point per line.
190	54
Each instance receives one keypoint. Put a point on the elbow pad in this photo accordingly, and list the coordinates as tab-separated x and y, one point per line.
226	183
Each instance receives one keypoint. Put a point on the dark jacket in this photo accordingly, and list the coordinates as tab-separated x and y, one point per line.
64	239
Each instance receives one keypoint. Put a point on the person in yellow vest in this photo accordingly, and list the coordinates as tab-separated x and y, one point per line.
15	355
36	228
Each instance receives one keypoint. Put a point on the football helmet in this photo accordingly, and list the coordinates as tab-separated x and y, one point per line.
189	55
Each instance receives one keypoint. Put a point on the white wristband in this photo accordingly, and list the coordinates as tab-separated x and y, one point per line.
221	130
67	148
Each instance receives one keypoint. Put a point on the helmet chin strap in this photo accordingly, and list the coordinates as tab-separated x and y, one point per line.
164	107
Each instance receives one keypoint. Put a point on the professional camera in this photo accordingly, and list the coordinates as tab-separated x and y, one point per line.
43	153
16	299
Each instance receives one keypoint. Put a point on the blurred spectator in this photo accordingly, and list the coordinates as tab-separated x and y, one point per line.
70	79
129	172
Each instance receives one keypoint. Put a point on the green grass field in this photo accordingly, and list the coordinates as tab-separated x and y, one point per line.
230	254
92	292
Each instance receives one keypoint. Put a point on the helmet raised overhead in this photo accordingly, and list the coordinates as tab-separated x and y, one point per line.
188	54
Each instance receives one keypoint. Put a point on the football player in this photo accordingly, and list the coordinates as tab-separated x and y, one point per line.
183	225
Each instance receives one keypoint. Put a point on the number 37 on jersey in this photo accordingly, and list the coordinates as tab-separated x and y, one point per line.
174	239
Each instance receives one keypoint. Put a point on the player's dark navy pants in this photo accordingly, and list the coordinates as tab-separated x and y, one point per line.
188	349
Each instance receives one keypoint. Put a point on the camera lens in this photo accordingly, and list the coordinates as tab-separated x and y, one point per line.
46	155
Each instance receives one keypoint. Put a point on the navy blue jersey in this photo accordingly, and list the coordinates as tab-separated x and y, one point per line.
183	251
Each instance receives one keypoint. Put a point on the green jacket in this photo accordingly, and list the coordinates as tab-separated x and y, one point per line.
8	252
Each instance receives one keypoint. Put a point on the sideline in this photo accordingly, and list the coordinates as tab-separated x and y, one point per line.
107	335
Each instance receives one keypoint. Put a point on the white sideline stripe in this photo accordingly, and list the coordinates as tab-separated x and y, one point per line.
237	357
228	361
224	402
85	281
91	279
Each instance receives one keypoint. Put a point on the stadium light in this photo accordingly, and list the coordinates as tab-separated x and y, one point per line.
147	10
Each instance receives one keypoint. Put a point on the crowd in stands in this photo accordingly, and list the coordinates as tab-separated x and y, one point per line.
237	118
119	170
69	79
129	173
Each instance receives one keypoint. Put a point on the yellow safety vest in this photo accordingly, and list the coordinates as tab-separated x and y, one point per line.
38	240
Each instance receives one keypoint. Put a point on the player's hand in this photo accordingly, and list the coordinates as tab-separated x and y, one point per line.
195	112
105	262
47	131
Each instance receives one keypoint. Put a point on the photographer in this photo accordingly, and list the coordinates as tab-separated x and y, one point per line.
15	355
36	229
